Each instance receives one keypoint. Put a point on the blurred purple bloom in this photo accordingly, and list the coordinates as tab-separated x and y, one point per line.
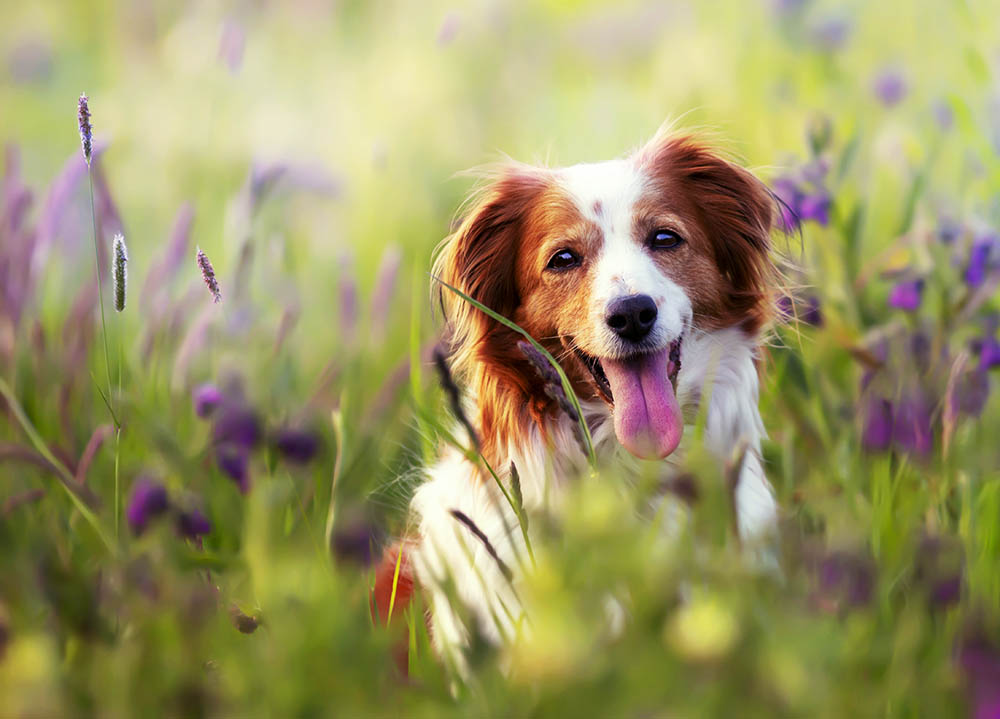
297	446
238	425
944	116
939	568
876	422
920	349
385	286
815	207
234	462
30	60
845	579
989	353
449	29
206	397
355	540
979	259
948	230
231	44
348	297
192	523
907	295
890	86
912	429
811	313
972	391
799	205
147	501
979	658
831	34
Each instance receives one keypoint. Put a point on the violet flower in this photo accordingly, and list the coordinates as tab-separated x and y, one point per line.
237	425
147	501
979	658
989	353
192	523
912	429
206	398
907	295
296	446
876	419
890	86
979	260
972	391
234	462
844	580
355	541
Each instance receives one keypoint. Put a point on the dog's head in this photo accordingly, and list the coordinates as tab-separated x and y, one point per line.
609	265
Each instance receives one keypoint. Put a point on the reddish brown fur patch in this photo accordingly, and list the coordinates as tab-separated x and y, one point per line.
726	267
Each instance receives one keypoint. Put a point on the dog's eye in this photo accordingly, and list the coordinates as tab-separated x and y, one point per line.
664	240
564	260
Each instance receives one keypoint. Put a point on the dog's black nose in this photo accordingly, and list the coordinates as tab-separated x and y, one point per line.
632	317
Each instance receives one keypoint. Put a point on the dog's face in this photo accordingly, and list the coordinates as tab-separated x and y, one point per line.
610	265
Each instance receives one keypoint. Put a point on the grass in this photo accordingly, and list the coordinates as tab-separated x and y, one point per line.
327	151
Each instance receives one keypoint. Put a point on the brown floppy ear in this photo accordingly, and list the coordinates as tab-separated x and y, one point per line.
737	211
480	259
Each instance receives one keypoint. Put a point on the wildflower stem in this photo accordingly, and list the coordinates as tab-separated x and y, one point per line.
66	478
100	297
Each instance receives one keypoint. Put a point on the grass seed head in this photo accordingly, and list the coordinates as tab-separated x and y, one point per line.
208	274
86	131
119	271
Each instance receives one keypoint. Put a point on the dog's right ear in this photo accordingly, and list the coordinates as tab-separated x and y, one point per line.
481	256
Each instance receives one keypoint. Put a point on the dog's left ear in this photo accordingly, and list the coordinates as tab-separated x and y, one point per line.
738	213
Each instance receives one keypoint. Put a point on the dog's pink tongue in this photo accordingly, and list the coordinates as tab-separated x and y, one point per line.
648	419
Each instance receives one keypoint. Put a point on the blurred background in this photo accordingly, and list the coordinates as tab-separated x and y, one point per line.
191	497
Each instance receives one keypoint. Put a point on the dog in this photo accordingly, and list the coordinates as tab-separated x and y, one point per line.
651	277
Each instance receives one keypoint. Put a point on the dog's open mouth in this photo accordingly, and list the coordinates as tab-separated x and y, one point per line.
642	391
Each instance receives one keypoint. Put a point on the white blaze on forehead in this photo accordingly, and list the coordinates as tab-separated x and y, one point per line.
606	194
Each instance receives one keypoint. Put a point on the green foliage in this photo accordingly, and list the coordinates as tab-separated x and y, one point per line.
320	163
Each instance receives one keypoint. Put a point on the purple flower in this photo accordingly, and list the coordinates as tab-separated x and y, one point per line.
192	523
907	295
799	204
231	44
238	425
939	568
234	462
811	313
948	230
890	86
979	658
831	34
147	501
355	540
876	418
449	29
989	353
944	116
972	390
979	260
206	398
815	207
844	579
297	446
912	429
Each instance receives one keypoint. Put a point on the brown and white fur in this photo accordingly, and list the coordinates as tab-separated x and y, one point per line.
672	222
